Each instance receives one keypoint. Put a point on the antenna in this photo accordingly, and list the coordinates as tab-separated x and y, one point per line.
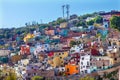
67	7
41	21
63	6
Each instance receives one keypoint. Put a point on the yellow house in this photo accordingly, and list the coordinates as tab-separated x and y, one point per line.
114	55
61	54
58	58
28	36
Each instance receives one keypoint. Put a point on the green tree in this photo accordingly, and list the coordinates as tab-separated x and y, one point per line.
37	78
81	23
91	22
98	19
11	76
72	43
60	20
115	22
87	78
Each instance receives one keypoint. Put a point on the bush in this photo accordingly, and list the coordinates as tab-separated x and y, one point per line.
37	78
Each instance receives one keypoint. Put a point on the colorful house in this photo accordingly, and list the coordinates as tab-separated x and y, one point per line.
25	50
4	52
28	36
16	58
41	48
94	52
63	25
85	64
75	58
71	69
56	58
114	55
50	32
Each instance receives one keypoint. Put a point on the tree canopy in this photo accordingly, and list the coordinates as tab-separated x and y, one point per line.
91	22
98	19
12	76
115	22
81	23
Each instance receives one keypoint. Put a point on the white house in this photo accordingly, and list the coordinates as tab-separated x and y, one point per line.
24	62
41	48
85	64
37	33
76	48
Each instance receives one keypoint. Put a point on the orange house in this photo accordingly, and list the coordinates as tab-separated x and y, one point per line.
71	69
50	32
25	50
16	58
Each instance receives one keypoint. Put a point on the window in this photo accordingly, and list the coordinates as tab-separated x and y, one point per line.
67	69
60	57
91	64
87	63
34	73
81	63
100	67
115	59
87	66
29	74
85	71
59	53
94	64
114	43
83	58
76	68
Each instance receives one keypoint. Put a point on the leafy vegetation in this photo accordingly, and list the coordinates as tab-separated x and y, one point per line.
81	23
37	78
91	22
72	43
11	76
98	19
115	22
87	78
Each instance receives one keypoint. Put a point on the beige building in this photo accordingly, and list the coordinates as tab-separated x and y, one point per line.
4	52
63	25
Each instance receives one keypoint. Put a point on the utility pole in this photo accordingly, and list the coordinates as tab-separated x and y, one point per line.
63	6
67	7
67	12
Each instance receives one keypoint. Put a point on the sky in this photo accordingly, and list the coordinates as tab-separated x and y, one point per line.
15	13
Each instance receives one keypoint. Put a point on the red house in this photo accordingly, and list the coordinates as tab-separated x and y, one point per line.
51	54
94	52
25	50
